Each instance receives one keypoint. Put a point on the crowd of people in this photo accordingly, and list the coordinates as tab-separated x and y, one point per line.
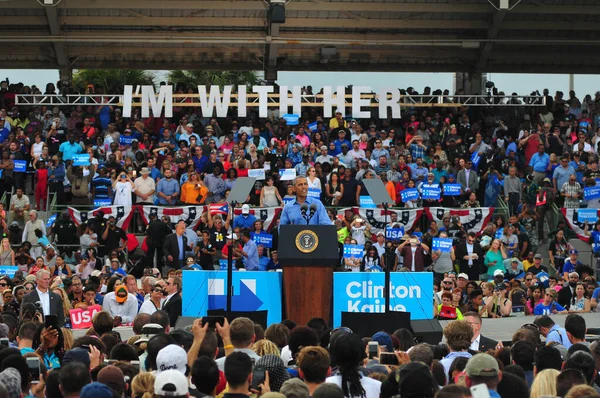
451	157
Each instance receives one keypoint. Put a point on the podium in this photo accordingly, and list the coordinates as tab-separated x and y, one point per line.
308	254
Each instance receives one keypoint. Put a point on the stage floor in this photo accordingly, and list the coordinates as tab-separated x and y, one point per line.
504	328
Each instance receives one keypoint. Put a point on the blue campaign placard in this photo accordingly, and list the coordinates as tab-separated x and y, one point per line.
8	270
259	174
287	200
587	215
366	202
126	139
363	292
442	244
353	251
394	234
287	174
452	189
81	160
590	193
223	265
312	126
252	291
291	119
475	158
100	202
314	193
263	239
51	220
20	166
409	194
431	191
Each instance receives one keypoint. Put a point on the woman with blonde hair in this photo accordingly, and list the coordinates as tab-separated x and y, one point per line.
142	385
67	338
66	303
265	347
544	383
7	254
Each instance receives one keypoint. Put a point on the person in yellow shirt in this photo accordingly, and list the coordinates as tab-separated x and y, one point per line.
193	191
338	121
342	231
528	262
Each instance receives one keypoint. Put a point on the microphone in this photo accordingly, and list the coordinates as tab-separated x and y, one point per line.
303	209
313	210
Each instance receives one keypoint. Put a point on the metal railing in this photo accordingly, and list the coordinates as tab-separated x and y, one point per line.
306	100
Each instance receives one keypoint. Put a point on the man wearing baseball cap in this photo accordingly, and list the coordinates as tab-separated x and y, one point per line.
172	384
571	264
244	220
483	369
537	266
121	305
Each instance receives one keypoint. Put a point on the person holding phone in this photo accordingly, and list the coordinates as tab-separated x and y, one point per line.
123	187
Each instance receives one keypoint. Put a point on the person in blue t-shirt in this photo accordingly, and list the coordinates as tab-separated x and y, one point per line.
570	264
115	268
263	259
548	306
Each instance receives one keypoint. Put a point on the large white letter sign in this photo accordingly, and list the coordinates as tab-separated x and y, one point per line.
263	99
165	99
241	102
208	107
295	100
127	100
339	101
393	103
357	102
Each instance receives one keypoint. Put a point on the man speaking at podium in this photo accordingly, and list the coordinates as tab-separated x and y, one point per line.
304	208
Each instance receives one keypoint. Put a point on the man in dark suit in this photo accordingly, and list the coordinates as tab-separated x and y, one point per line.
172	304
175	246
468	179
479	342
470	256
566	293
51	302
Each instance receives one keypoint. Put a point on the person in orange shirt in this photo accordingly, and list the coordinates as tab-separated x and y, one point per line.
390	187
193	192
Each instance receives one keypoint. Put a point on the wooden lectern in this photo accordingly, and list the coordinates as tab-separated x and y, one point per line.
308	254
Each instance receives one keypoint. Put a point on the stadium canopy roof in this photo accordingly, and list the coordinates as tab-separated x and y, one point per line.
543	36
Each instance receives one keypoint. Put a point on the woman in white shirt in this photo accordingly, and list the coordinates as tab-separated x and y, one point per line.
123	188
313	180
153	304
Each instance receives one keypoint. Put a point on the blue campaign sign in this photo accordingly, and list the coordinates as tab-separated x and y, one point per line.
363	292
81	160
263	239
314	193
431	191
442	244
287	200
366	202
51	220
353	251
8	270
475	158
313	126
259	174
287	174
409	194
126	139
253	291
589	215
20	166
100	202
451	189
291	119
590	193
223	265
394	233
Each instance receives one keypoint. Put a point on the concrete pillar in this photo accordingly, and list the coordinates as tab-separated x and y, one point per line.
270	75
65	75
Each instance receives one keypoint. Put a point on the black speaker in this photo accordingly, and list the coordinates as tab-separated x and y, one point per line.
427	331
277	13
367	324
258	317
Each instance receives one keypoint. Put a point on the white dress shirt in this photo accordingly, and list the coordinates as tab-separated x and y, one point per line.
167	300
45	301
475	344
